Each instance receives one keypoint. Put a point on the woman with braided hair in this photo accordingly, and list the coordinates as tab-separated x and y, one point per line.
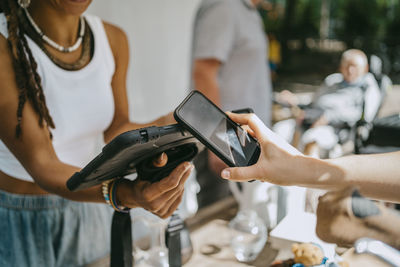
62	89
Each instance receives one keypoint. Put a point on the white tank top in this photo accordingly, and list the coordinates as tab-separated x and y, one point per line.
80	102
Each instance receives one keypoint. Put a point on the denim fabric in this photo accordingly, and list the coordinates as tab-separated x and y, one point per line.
52	231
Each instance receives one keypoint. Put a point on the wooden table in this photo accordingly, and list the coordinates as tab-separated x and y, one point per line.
210	237
211	248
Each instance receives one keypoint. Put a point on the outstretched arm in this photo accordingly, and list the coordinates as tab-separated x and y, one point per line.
377	176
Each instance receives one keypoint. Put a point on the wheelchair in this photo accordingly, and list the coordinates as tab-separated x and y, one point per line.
342	138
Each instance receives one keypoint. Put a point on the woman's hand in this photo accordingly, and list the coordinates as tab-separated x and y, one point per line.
161	198
215	164
161	160
278	161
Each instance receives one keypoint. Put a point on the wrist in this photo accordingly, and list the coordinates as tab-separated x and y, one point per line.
124	193
298	170
313	170
343	168
320	173
109	191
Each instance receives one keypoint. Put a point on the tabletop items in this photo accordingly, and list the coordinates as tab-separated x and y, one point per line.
248	235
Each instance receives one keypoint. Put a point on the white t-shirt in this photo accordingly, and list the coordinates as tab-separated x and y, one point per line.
80	102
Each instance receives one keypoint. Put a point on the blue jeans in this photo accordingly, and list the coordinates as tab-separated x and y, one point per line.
52	231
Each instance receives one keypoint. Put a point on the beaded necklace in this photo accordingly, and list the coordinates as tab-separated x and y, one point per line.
51	42
87	46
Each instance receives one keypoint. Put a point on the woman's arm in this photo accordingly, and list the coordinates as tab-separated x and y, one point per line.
120	48
377	176
34	150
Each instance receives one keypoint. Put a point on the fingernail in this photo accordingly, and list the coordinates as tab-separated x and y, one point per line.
226	174
187	165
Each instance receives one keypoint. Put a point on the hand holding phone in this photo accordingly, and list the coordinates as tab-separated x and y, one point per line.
208	123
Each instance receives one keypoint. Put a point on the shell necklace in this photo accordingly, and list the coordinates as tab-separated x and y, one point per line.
54	44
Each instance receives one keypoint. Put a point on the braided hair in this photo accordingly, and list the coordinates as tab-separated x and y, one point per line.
25	68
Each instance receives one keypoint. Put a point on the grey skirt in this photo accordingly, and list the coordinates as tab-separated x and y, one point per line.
49	230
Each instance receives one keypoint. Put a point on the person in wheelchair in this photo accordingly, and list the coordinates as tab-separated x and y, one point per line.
342	100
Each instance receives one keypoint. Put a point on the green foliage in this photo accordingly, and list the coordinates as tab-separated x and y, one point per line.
360	23
272	17
307	19
370	25
392	34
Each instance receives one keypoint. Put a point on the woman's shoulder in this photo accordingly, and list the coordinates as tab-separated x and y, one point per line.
111	30
116	37
114	33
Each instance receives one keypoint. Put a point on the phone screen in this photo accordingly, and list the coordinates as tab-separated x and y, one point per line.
213	125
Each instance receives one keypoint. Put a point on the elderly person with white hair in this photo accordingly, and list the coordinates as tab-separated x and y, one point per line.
345	98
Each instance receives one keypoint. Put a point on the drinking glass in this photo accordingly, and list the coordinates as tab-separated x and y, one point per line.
152	251
248	235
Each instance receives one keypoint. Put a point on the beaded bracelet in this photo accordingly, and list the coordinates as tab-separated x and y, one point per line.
109	190
113	197
106	192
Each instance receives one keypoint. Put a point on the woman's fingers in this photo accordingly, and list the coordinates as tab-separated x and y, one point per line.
173	207
165	200
215	164
161	160
165	209
263	134
241	174
163	203
253	122
158	197
157	189
159	203
166	203
248	130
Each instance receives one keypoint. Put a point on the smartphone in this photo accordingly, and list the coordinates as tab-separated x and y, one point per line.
208	123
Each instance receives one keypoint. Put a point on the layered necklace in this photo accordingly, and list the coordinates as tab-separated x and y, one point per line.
53	44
